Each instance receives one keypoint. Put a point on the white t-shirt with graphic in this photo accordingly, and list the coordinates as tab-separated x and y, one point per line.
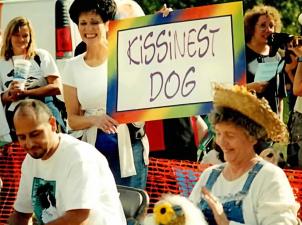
37	73
76	176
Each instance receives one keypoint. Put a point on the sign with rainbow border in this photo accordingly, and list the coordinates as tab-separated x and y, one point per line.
164	67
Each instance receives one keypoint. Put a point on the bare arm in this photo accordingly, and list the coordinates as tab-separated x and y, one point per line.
76	118
72	217
53	87
257	86
280	109
291	76
202	128
297	89
18	218
289	68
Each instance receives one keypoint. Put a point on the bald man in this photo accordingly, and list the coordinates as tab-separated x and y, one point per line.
64	180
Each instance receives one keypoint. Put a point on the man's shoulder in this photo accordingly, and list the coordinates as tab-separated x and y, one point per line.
68	140
77	148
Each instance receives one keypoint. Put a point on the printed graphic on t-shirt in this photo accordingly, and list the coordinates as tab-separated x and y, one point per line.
43	200
35	79
10	77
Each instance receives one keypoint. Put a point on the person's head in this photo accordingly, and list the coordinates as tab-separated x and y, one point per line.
240	120
128	9
261	21
106	9
36	128
92	18
125	9
234	130
18	38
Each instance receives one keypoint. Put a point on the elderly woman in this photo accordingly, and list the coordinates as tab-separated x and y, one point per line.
245	189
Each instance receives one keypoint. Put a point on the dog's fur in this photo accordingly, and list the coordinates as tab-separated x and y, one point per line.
192	214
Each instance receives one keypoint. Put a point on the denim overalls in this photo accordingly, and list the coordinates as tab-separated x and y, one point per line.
232	208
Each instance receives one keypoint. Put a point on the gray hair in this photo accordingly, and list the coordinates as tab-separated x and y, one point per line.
225	114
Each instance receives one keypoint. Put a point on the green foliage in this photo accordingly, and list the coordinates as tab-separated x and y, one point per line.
289	9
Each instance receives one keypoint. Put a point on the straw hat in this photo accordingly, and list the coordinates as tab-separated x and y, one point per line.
240	99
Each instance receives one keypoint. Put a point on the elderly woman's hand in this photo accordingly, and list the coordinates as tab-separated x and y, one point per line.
216	206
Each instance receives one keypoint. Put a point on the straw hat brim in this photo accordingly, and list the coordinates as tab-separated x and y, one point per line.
240	99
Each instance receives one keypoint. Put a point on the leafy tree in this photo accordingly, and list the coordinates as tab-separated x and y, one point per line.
289	9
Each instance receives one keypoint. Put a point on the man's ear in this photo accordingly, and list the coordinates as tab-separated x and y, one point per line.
53	123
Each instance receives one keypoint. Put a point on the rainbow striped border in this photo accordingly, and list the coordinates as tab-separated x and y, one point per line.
234	9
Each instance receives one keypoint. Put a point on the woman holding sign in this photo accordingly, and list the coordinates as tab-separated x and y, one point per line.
85	93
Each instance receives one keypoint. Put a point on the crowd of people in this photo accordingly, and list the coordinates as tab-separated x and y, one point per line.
68	180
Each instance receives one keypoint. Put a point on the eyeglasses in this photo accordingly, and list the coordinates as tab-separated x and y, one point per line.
264	26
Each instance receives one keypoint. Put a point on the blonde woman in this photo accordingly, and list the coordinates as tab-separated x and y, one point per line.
43	81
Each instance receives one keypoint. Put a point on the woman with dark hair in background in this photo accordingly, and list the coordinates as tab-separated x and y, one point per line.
259	23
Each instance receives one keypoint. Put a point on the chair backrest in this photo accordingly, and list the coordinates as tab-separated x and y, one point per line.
135	202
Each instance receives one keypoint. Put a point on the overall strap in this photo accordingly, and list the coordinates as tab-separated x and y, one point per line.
213	177
252	174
